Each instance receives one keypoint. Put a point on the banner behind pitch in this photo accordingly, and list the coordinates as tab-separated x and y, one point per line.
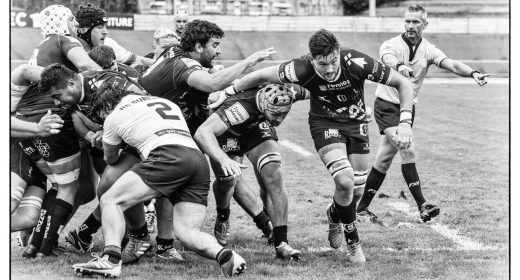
117	21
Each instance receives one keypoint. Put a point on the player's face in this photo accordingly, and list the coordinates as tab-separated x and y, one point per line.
210	52
98	35
72	25
68	95
275	119
327	66
160	45
414	25
180	24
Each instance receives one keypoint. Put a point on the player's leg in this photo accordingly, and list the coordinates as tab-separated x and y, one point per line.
164	238
267	162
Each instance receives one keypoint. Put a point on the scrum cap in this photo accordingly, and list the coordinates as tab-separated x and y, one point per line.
53	20
91	16
276	98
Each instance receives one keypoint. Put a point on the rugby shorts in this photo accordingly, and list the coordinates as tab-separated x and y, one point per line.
22	165
55	146
353	134
387	114
177	172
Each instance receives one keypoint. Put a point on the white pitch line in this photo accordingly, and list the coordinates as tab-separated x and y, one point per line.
295	147
464	243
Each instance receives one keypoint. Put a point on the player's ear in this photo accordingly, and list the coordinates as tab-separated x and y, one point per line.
425	24
198	47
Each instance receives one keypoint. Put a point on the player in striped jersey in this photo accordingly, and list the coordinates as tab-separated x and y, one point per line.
411	55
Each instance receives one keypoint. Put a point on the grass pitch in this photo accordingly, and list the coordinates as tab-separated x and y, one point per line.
462	138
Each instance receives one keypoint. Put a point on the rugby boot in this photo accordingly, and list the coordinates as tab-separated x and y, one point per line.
235	266
135	249
30	252
286	252
429	211
171	254
335	230
221	231
355	253
22	238
74	240
367	215
98	266
267	231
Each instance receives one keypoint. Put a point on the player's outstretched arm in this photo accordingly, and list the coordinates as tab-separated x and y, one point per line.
25	74
206	138
48	124
204	81
79	57
464	70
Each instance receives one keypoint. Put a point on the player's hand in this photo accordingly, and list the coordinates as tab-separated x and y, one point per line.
368	114
480	78
231	167
216	98
403	136
49	124
97	139
405	71
216	68
258	56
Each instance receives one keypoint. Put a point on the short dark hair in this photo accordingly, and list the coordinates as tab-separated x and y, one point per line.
323	43
105	99
103	55
199	31
54	75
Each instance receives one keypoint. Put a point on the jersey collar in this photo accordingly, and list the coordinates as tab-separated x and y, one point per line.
411	46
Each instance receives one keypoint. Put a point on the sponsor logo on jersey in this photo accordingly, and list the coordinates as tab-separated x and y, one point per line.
236	114
332	132
190	62
231	145
376	66
337	86
289	73
359	61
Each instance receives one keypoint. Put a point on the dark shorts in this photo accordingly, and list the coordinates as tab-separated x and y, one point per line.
239	145
55	146
354	135
179	173
22	165
388	114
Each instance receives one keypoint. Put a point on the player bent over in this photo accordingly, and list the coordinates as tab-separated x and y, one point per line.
172	166
338	121
243	124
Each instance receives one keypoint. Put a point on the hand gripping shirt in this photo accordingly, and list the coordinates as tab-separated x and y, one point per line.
341	100
418	57
147	122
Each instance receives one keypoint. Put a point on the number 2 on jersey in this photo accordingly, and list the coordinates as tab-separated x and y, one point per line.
161	109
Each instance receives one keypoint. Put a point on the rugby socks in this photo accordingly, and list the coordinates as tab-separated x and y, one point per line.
334	213
261	219
414	184
163	245
374	181
279	235
140	233
224	256
89	227
113	252
223	214
57	217
39	230
347	216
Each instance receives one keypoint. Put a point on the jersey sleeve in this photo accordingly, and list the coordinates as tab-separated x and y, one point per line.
365	67
66	43
294	71
183	68
387	48
122	55
110	135
436	56
233	114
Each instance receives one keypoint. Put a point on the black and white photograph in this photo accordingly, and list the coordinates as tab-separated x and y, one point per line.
268	139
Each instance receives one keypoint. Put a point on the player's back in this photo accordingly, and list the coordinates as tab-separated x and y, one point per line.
240	112
146	122
54	49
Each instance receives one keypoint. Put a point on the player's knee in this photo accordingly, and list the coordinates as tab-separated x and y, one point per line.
408	155
345	181
224	183
341	171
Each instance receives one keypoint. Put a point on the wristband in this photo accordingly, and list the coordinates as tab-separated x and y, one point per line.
399	64
473	72
406	116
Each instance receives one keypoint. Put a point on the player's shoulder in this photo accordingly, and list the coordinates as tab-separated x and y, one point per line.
188	62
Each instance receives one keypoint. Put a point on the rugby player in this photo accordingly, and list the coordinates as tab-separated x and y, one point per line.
335	77
180	75
58	155
172	166
181	19
244	125
411	55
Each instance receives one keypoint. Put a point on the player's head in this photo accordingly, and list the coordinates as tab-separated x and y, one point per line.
105	100
162	38
61	83
181	18
275	101
202	37
415	21
104	56
57	19
324	48
92	24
